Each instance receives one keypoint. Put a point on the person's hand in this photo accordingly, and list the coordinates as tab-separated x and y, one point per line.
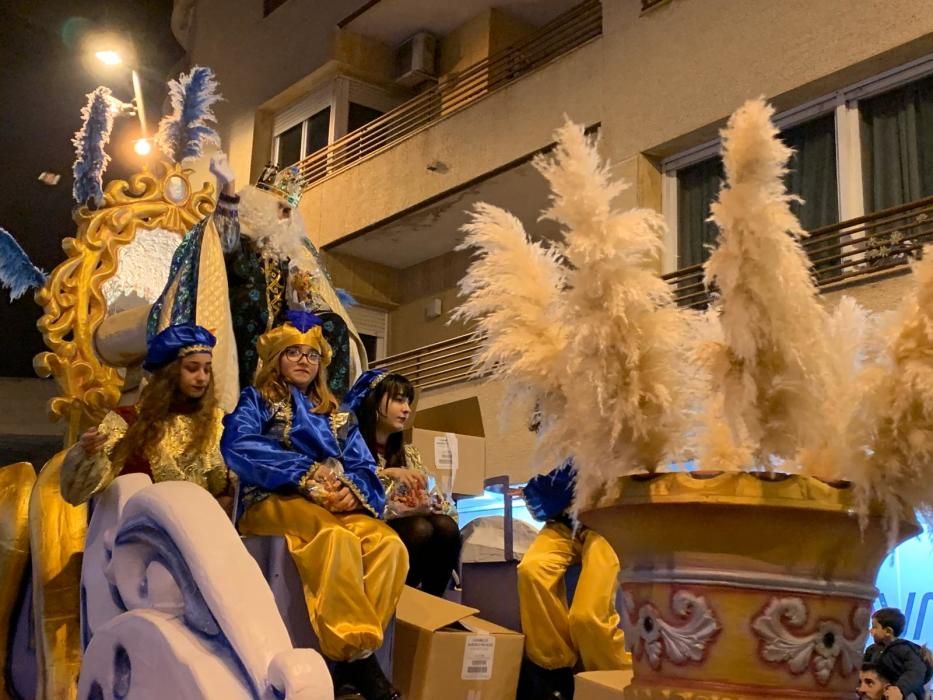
92	442
221	169
344	500
892	692
226	502
412	478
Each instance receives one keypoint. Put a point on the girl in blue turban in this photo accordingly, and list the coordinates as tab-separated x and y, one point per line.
383	405
171	434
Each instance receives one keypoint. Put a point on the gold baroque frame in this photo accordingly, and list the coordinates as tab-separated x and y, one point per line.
72	299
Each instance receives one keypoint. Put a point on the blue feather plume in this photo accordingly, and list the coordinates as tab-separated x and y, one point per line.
17	273
89	141
345	298
185	132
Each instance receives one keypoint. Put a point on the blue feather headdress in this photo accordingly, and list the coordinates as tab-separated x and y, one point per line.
185	132
17	273
90	159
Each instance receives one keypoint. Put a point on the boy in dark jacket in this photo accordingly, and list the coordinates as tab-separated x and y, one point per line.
899	659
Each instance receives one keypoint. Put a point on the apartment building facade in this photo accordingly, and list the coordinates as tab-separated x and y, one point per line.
401	114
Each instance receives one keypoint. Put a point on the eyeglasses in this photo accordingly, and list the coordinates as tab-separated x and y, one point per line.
295	354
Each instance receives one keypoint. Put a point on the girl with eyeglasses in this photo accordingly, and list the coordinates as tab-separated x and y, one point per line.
307	475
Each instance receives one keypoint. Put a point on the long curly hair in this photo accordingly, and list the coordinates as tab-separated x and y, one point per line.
395	386
273	387
156	402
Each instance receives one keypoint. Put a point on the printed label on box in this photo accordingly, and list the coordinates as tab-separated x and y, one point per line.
446	454
477	657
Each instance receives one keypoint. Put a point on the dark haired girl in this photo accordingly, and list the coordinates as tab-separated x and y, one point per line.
383	405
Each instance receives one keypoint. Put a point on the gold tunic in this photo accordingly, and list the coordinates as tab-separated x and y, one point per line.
83	476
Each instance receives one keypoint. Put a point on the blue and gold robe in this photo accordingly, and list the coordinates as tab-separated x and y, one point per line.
273	448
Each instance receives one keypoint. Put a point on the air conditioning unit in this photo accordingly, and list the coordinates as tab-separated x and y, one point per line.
415	60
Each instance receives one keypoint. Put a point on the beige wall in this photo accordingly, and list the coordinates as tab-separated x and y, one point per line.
657	81
487	33
409	327
506	30
466	45
370	283
257	59
23	407
405	294
509	444
884	293
688	64
506	126
436	278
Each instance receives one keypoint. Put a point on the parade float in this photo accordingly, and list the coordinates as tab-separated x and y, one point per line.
130	598
752	464
748	576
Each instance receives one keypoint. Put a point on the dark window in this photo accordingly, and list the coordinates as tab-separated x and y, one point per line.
897	145
270	6
812	176
897	165
290	146
359	116
697	188
812	171
318	131
369	342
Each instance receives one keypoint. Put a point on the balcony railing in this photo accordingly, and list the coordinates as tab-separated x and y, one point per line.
456	92
883	242
872	244
430	366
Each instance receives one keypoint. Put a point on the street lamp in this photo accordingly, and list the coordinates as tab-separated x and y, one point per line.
110	58
113	57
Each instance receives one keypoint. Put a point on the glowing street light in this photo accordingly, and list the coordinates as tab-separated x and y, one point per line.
142	147
109	55
110	58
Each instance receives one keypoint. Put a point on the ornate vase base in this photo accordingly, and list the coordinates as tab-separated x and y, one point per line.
741	586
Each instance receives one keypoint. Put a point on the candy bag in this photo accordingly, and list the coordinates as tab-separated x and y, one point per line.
403	501
324	484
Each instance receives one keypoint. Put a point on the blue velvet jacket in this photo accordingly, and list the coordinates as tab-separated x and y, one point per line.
273	448
548	496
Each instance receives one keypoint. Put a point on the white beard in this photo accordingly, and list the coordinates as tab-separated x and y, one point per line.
273	236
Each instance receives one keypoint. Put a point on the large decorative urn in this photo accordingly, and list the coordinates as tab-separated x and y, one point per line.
742	585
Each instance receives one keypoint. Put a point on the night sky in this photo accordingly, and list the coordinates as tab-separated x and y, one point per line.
44	78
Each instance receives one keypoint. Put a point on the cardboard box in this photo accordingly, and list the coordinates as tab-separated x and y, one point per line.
442	651
457	461
601	685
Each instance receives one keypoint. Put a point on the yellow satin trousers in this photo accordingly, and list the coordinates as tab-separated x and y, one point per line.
352	568
554	632
16	483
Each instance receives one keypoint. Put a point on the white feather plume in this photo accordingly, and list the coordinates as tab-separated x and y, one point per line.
594	340
898	410
620	368
772	366
512	290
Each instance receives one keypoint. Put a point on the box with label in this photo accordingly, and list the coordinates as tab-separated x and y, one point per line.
601	685
443	651
457	461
